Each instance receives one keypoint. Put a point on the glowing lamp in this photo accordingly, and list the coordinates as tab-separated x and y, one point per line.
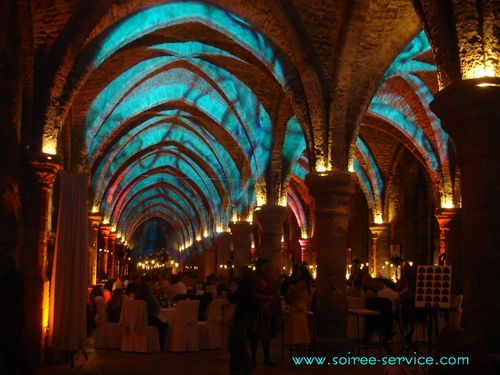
45	305
49	147
350	167
261	200
447	202
479	70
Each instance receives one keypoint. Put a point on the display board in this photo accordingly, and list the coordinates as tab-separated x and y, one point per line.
433	286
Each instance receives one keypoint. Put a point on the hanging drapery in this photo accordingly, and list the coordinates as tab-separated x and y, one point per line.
68	290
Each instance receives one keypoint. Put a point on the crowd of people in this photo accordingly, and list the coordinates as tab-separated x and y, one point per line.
262	305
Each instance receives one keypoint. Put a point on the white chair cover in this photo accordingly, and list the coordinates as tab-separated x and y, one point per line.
210	331
101	333
137	336
107	335
183	332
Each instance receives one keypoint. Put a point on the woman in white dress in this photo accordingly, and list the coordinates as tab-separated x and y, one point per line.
298	296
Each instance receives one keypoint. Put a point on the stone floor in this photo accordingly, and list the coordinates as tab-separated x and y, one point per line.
114	362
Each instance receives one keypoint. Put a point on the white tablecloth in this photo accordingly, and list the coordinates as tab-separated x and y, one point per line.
167	315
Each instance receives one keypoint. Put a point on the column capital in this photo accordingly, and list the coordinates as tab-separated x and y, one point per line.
94	220
477	98
45	168
377	229
105	230
445	215
305	241
332	191
271	217
240	227
337	181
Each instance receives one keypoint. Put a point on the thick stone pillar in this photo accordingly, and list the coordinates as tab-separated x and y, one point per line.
241	233
94	220
379	252
209	257
470	112
271	220
305	250
222	242
36	201
332	192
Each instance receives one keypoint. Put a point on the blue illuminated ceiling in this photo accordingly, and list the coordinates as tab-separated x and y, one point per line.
179	134
180	131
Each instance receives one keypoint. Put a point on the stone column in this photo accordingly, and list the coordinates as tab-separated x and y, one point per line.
112	254
241	232
94	220
379	252
209	257
332	192
36	196
444	216
271	220
105	230
470	112
222	242
305	250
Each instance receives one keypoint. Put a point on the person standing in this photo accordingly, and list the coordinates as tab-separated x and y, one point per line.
12	318
297	297
242	293
264	326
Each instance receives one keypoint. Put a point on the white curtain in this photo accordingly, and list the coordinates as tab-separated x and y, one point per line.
68	288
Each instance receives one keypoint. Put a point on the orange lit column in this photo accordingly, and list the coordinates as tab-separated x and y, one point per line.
332	192
112	254
271	219
242	242
305	250
470	112
105	230
444	216
36	196
94	220
379	249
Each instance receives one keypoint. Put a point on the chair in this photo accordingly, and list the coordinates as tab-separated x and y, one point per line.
101	330
383	323
210	331
137	335
107	335
183	332
354	303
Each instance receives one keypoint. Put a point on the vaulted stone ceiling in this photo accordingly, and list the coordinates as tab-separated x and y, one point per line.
196	112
